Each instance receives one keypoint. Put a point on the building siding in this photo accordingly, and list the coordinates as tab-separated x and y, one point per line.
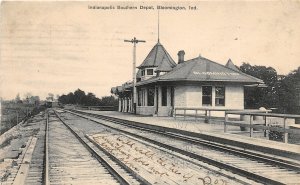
191	96
234	97
180	96
145	110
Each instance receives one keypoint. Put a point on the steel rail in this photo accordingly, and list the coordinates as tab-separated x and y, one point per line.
186	135
104	162
202	158
46	156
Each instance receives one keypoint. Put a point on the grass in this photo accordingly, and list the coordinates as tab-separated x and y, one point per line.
9	114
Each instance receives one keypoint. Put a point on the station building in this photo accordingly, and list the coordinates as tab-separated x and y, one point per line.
163	84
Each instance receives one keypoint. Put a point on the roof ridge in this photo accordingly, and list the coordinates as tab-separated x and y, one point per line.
155	58
168	55
146	57
195	62
176	68
179	67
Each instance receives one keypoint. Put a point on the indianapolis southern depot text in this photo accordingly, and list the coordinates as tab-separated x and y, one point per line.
158	7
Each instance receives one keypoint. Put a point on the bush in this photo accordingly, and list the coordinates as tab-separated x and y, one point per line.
274	135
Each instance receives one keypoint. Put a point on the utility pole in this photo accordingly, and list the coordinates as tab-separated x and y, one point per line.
134	41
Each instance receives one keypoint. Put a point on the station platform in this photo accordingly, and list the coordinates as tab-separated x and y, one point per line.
214	128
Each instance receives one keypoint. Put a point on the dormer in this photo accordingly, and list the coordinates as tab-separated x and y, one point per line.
147	73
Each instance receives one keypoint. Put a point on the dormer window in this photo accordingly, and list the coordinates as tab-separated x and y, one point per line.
149	71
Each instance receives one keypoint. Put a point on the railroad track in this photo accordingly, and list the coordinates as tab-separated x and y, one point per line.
72	159
36	170
253	165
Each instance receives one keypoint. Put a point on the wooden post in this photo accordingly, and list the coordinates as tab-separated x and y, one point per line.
285	134
175	113
196	114
209	114
251	123
225	122
205	119
184	113
265	131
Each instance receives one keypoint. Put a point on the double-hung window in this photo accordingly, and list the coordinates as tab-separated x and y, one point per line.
220	96
207	95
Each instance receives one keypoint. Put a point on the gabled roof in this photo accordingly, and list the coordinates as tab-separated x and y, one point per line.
202	69
230	65
158	57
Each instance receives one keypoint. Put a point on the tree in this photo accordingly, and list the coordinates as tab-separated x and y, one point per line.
109	101
79	96
27	97
289	94
91	99
50	97
65	99
18	99
34	100
256	97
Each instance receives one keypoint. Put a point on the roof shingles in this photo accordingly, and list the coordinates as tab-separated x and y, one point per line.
203	70
158	57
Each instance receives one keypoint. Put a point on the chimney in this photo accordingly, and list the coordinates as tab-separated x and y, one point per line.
180	56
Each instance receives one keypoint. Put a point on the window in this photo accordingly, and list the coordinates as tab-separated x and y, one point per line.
164	96
220	96
151	97
143	72
206	95
139	97
149	71
143	97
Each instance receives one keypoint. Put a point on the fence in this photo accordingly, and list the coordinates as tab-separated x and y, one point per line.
99	108
12	114
198	112
242	123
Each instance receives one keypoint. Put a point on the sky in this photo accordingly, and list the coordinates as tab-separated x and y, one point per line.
58	47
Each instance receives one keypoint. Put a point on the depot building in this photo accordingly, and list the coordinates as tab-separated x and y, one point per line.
163	84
